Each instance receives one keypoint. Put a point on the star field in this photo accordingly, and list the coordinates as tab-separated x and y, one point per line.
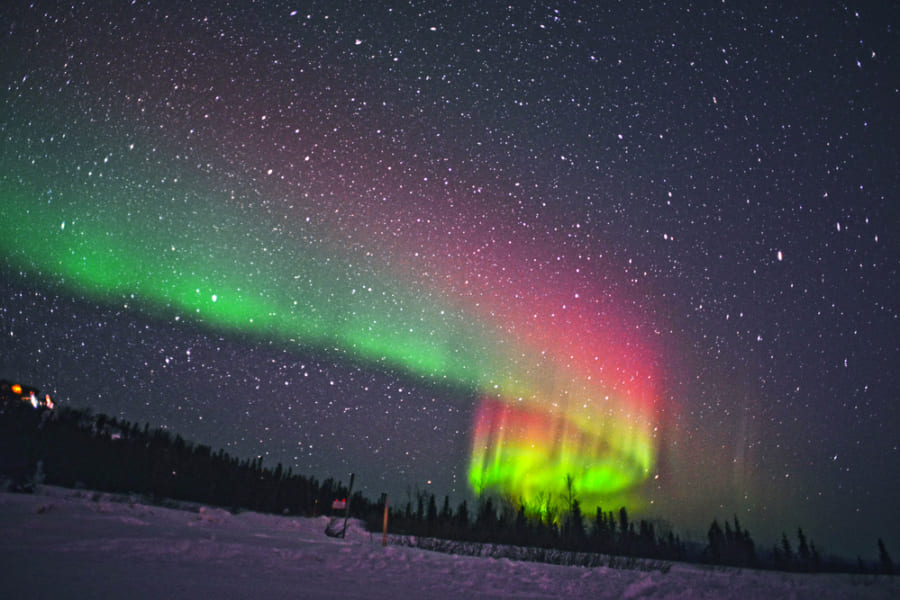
452	248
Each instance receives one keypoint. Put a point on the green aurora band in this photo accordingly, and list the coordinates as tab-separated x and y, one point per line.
561	396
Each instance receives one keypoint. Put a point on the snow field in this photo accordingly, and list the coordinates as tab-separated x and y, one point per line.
74	544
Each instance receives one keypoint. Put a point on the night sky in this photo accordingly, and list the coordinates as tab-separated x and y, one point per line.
474	248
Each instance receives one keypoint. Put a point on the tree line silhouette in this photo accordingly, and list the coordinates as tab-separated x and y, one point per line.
75	448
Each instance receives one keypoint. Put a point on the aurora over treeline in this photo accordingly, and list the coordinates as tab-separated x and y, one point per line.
639	256
576	393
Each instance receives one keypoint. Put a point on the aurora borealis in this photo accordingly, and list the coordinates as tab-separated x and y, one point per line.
472	249
546	352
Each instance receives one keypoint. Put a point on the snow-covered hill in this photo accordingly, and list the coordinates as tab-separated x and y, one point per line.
74	544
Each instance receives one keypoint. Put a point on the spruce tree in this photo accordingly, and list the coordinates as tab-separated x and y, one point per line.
802	550
576	525
521	526
446	513
887	565
623	524
786	548
462	516
716	542
432	512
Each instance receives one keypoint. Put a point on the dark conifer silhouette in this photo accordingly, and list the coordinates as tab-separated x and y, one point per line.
432	515
884	559
803	554
462	516
716	542
816	559
787	553
446	513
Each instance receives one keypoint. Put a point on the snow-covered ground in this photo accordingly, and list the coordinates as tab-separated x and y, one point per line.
62	543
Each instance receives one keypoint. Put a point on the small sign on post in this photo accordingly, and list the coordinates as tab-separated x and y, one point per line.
333	529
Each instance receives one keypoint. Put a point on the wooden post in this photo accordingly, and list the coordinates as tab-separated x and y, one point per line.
384	527
347	508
